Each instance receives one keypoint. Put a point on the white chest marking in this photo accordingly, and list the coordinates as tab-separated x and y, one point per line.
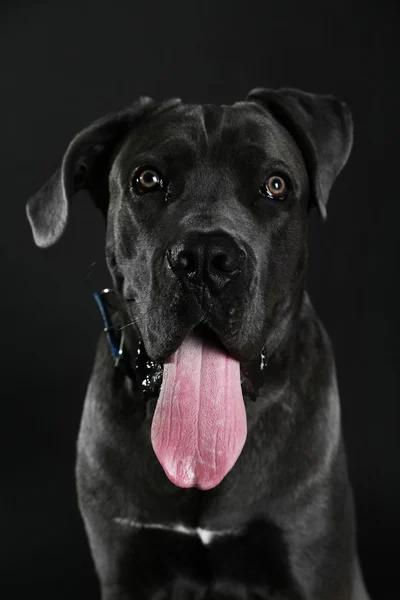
206	535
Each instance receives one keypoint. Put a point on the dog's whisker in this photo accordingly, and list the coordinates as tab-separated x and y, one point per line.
139	318
90	267
127	325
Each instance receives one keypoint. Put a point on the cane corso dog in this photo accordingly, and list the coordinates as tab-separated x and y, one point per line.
211	461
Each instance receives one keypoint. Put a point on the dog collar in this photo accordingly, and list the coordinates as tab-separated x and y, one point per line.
146	373
114	337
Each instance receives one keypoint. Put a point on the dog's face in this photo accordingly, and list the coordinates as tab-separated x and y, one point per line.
206	224
206	209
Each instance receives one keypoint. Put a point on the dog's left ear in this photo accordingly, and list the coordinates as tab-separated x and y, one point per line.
47	210
322	128
84	166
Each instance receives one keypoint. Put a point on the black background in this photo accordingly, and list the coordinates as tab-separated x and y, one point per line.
63	64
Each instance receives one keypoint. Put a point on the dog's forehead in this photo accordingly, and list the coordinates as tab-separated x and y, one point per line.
242	122
200	129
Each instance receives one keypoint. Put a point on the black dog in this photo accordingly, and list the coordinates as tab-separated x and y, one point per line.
229	480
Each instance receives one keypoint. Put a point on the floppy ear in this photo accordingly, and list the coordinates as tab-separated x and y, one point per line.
85	160
322	128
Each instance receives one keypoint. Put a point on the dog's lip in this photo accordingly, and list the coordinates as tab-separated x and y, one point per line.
204	331
207	332
226	341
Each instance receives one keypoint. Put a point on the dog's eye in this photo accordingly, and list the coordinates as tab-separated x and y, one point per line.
147	180
275	187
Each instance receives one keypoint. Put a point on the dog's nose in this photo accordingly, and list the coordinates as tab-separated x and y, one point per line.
204	258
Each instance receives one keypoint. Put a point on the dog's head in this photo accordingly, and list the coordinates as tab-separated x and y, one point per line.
206	210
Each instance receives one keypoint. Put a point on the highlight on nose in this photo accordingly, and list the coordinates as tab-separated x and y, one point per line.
184	261
212	259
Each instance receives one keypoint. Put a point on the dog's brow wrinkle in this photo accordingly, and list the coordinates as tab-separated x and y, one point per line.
212	120
203	120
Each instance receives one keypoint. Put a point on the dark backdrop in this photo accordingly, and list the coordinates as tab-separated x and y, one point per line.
65	63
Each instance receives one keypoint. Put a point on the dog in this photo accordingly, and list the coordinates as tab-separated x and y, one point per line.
210	460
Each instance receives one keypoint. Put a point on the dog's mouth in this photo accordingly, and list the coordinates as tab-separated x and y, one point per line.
149	372
199	425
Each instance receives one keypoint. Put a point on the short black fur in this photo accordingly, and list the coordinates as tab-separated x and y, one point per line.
282	520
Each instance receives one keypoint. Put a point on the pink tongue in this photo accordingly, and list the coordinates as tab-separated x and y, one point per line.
199	425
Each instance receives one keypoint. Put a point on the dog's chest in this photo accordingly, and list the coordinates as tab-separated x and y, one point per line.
156	505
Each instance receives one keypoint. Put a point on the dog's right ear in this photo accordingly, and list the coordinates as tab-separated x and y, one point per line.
47	210
321	126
